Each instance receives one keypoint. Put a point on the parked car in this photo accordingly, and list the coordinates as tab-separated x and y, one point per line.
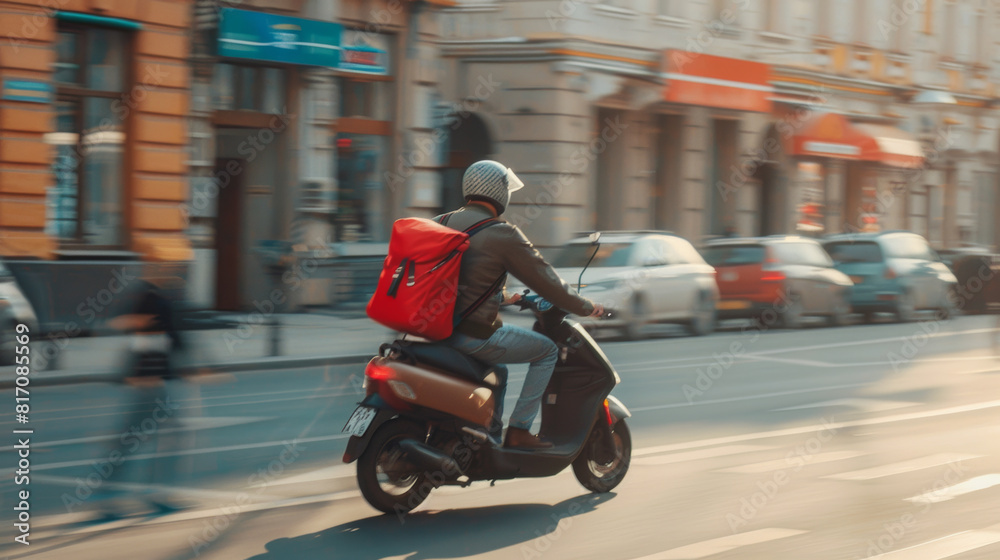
642	277
14	309
977	271
791	276
892	271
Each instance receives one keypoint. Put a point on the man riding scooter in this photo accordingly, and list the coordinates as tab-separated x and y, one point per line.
497	251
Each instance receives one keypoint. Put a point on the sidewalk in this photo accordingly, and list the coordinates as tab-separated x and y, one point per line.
306	339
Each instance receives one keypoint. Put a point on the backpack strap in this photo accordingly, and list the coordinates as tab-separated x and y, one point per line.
497	284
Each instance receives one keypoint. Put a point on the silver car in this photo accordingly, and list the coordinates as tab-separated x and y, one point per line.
14	309
642	277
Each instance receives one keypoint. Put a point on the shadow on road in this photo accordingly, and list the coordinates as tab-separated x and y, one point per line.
453	533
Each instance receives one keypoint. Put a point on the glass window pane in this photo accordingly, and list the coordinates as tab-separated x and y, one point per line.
372	100
105	60
102	146
361	196
61	198
273	90
245	87
67	69
222	87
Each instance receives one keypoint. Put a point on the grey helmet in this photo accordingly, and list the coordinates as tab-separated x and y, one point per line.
492	181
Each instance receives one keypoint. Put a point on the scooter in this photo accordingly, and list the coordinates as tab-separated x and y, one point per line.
424	420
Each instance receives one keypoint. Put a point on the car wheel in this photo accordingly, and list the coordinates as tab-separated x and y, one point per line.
841	312
791	317
703	317
635	322
905	309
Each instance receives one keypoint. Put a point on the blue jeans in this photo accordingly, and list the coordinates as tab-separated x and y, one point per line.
515	345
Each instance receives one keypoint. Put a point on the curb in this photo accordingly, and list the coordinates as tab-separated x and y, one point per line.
270	362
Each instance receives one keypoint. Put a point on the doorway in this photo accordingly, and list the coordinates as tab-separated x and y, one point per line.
468	142
229	248
722	190
667	209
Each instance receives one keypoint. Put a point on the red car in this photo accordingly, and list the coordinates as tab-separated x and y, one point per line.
778	279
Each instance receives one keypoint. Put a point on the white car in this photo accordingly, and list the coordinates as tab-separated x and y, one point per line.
14	309
641	277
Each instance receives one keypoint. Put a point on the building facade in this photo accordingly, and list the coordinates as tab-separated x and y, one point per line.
753	116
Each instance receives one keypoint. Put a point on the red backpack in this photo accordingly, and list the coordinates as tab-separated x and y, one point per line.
418	285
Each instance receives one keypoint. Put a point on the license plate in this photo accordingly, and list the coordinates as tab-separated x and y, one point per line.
857	279
732	304
360	420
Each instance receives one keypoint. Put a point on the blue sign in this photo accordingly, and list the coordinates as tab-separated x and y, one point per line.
276	38
31	91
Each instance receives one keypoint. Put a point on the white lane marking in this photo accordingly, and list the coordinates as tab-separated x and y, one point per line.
292	441
808	363
695	455
867	405
219	511
869	341
778	464
186	424
902	467
828	426
976	484
326	473
138	488
945	547
749	397
724	544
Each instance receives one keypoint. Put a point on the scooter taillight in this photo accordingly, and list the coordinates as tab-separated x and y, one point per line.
378	372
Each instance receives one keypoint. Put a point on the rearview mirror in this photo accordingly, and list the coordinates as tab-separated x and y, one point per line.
595	237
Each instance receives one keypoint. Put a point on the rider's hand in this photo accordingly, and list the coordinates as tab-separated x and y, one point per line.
512	299
598	310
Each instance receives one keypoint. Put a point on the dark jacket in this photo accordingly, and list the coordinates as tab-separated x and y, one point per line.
493	251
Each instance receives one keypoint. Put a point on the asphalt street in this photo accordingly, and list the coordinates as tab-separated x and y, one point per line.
869	441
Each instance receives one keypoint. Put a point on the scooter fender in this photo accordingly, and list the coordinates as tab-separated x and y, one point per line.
356	445
618	409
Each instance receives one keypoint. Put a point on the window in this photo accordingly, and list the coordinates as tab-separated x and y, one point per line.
897	27
965	34
249	88
365	99
576	255
776	16
672	8
85	205
846	252
948	33
681	252
734	255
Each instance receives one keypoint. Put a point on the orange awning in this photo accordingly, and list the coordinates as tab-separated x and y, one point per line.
833	136
896	147
715	81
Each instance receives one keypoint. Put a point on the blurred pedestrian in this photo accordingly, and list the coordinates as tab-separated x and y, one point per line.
151	433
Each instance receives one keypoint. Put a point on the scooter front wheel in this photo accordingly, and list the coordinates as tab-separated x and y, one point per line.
388	481
603	477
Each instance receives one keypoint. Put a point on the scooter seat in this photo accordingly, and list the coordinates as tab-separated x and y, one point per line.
446	359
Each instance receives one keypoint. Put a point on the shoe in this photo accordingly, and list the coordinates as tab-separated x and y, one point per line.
523	439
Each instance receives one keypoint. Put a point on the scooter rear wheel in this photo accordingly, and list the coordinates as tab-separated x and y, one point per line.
389	482
603	477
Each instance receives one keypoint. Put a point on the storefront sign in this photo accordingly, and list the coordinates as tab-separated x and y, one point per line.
363	52
276	38
31	91
831	148
715	81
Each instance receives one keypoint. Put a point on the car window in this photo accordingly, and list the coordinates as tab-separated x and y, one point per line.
810	254
908	247
576	255
681	251
843	252
733	255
